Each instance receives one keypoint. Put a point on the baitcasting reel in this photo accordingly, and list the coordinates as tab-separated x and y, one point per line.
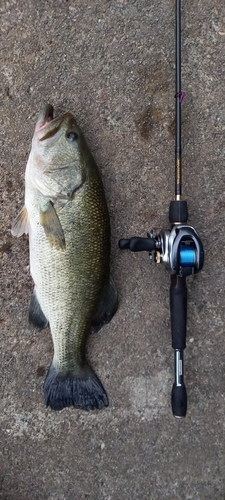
180	249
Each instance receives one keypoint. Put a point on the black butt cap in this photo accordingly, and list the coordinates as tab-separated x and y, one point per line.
179	401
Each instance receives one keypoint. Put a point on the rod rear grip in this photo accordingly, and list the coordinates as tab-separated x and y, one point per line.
178	311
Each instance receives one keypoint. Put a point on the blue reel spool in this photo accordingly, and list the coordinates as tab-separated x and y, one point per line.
187	256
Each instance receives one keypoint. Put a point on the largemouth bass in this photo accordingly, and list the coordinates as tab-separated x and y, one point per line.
66	217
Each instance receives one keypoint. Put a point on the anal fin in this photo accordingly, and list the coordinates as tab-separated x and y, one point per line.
21	223
36	315
107	307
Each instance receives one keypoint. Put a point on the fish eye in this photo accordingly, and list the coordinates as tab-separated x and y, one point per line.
72	136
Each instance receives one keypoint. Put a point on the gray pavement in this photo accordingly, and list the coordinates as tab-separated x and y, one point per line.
112	64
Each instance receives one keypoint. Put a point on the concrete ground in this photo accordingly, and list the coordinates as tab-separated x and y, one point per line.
112	64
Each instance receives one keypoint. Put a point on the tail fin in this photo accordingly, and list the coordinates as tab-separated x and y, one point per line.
81	389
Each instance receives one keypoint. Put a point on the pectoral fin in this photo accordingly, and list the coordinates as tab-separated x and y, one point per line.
52	227
21	223
107	307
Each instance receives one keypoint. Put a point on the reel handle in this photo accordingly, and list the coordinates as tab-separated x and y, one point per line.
137	244
178	314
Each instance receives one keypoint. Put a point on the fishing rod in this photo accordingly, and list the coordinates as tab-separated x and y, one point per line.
178	248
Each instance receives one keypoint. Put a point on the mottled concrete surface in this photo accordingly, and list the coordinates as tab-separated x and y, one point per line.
112	64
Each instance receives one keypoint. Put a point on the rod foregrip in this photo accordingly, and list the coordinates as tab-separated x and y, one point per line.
178	311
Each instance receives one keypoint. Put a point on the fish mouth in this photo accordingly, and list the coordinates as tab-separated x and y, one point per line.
47	126
45	116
